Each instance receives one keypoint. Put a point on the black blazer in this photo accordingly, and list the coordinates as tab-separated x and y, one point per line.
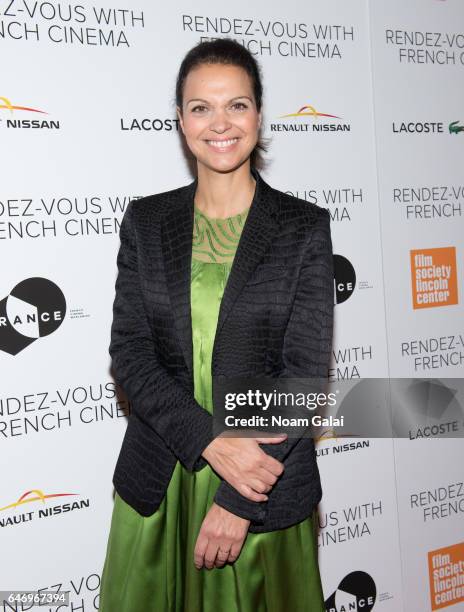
275	320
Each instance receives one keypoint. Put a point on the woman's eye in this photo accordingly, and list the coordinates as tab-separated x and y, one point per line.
200	107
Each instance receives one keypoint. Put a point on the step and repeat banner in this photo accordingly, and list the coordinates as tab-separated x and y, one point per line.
364	109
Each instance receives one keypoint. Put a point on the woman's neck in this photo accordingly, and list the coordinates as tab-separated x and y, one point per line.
224	194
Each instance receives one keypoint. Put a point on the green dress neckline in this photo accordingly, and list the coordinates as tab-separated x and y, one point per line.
215	240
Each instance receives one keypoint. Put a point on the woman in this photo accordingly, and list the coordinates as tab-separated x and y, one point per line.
223	277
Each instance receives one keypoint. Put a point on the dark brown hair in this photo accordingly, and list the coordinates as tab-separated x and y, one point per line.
224	51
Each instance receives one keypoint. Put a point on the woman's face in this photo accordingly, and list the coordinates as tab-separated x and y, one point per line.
220	121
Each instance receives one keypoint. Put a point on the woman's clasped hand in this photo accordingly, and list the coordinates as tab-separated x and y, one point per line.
246	467
244	464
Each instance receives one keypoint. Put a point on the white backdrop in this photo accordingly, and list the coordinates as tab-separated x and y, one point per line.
87	122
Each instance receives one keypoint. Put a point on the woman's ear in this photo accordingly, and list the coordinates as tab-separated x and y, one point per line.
179	116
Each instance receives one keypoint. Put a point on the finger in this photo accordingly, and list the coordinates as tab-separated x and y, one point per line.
199	552
267	478
210	554
259	486
249	493
272	465
221	558
234	552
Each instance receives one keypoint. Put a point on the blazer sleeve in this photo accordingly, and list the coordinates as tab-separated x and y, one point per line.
157	398
307	343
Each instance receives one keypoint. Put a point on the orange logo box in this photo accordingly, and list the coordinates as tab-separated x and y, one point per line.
446	576
434	277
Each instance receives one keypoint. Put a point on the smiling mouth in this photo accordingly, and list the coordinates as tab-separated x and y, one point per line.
222	144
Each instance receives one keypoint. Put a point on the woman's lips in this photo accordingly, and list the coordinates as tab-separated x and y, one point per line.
222	145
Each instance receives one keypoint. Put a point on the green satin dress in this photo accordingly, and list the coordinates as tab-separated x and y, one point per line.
149	560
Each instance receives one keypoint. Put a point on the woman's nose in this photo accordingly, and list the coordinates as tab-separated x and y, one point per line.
220	122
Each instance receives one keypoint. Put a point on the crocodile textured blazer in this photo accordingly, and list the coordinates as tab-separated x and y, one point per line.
275	320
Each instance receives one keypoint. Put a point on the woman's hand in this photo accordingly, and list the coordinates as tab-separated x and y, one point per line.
220	539
244	464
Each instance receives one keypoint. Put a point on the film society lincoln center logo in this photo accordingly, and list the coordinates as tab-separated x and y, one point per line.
434	277
446	576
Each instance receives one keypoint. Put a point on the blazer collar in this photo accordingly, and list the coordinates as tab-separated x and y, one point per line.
258	231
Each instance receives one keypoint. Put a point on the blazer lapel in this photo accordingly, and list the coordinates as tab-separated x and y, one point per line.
257	233
177	230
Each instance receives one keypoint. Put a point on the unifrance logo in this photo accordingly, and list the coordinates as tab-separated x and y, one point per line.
36	307
434	277
7	116
355	593
446	576
345	278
